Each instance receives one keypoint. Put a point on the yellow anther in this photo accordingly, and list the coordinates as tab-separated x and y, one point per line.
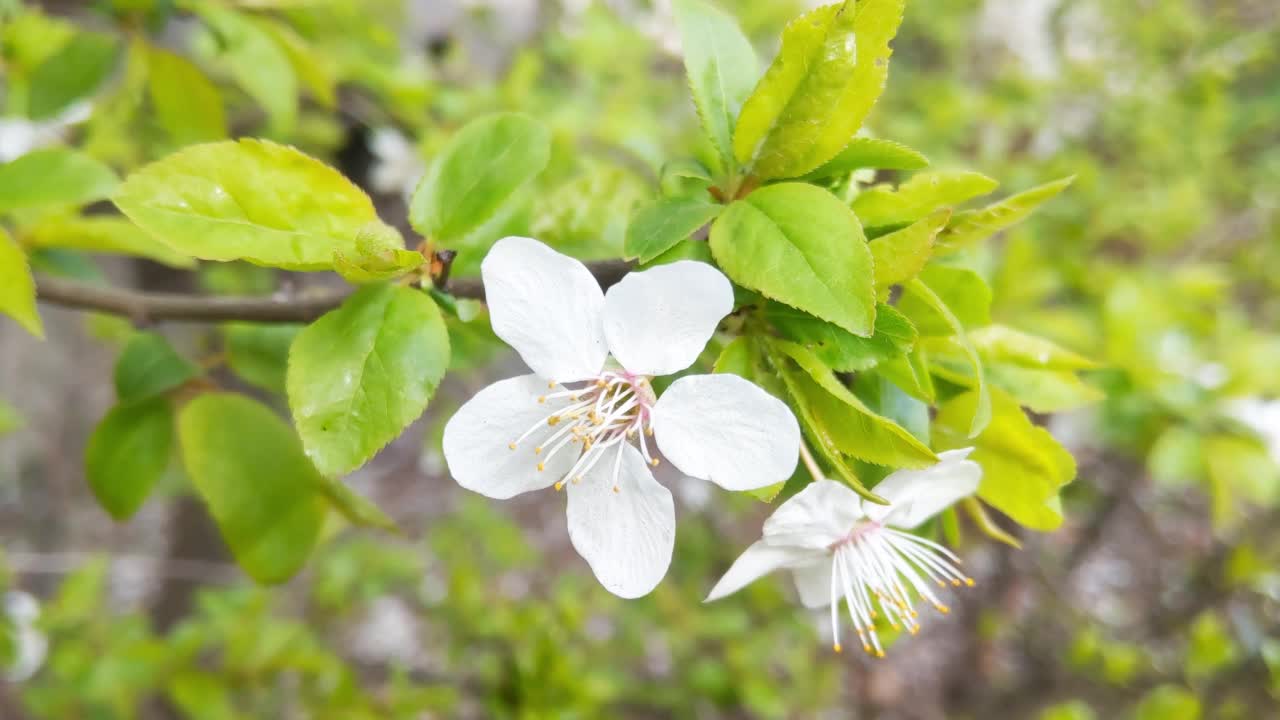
648	431
511	445
837	647
654	462
553	420
574	397
879	653
560	485
956	583
895	626
577	480
537	450
542	467
969	582
866	648
615	489
940	583
601	383
913	629
874	614
542	398
551	384
943	609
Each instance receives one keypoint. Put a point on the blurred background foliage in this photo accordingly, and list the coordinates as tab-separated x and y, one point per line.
1157	599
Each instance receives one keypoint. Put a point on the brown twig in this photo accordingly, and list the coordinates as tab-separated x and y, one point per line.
150	307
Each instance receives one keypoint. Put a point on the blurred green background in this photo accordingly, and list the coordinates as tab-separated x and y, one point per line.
1157	600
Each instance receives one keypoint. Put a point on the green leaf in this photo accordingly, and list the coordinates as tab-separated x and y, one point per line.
840	349
962	290
852	427
312	68
683	250
187	104
17	287
722	69
257	62
799	245
911	374
919	196
251	200
103	234
128	453
260	353
657	228
900	255
684	177
477	173
970	228
149	366
359	375
1023	466
54	177
982	405
249	468
70	74
813	98
797	386
737	358
868	152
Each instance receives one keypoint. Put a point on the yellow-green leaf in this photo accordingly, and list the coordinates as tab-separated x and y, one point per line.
250	200
829	72
902	254
922	194
1023	466
103	234
971	227
187	104
17	287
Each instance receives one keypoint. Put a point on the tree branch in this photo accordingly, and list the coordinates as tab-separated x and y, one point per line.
149	307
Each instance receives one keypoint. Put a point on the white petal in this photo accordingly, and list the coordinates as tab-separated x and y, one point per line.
32	647
755	562
658	321
818	516
547	306
727	430
625	536
917	495
476	440
813	583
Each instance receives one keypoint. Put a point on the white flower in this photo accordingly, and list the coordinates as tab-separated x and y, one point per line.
29	644
1261	416
397	166
837	544
589	420
19	136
